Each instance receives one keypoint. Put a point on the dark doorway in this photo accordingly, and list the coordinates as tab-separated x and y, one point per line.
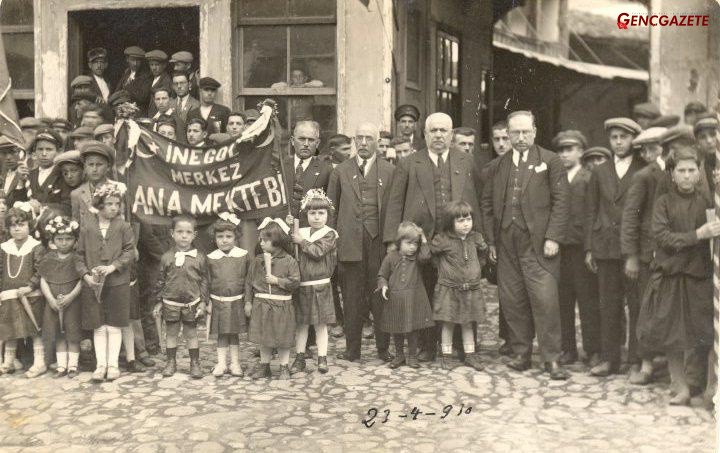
168	29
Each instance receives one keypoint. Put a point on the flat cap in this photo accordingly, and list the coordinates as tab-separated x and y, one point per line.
681	132
208	83
649	135
49	135
82	132
80	80
97	52
706	121
7	145
29	122
665	121
156	54
94	147
134	51
596	151
68	157
407	110
119	97
251	115
181	57
623	123
695	107
104	128
569	137
61	123
646	110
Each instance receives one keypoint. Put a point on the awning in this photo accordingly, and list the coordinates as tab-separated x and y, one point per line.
597	70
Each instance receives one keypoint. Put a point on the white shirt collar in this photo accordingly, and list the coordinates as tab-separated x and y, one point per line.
235	252
573	172
434	156
623	160
168	112
661	162
368	162
43	174
305	233
516	156
205	111
156	80
305	162
10	247
102	84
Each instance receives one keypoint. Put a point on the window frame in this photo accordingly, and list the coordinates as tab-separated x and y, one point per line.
440	85
20	93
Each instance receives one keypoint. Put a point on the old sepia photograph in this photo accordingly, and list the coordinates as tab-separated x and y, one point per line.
359	225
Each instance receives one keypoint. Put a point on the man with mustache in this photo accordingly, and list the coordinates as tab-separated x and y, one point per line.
424	182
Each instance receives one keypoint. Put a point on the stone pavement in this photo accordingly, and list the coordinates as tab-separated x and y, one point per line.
499	410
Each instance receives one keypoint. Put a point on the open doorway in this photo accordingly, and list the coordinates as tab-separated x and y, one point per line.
168	29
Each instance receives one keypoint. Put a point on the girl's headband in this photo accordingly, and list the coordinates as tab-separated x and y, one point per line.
314	194
229	217
267	221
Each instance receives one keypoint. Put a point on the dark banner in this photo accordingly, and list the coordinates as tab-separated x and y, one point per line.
167	178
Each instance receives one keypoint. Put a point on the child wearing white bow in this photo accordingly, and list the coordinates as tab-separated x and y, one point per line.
317	254
228	266
182	293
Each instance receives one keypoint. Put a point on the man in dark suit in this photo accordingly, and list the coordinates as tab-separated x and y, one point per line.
216	115
136	79
406	119
525	213
636	243
358	189
304	170
97	62
578	285
424	182
157	62
606	197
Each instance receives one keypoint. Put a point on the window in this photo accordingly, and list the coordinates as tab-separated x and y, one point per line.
16	20
413	42
448	75
287	51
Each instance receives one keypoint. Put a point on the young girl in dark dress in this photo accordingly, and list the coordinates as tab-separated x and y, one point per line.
269	290
20	256
458	298
317	246
105	253
60	284
407	307
676	314
228	266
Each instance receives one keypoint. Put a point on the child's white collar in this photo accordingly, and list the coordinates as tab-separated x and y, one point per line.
10	246
305	233
235	252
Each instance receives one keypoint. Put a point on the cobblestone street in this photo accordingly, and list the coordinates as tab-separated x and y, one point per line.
500	410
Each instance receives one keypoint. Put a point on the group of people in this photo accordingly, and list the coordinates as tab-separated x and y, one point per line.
399	231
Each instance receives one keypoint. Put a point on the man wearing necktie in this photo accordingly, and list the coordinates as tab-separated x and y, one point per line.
525	213
426	181
358	188
606	197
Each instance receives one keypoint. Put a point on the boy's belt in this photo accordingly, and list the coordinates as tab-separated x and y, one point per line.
226	298
172	303
10	294
274	296
322	281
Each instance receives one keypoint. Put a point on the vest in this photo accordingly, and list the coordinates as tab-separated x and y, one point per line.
369	200
512	212
443	190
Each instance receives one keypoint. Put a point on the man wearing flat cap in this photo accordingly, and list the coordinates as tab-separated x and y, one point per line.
594	156
665	121
606	198
579	285
644	113
636	241
136	79
97	62
692	110
62	127
182	62
69	165
707	135
406	118
44	179
29	126
215	115
157	61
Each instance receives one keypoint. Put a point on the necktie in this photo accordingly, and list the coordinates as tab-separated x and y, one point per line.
180	257
441	162
362	166
299	168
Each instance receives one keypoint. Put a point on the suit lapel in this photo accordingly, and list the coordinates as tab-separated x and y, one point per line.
624	183
457	177
354	175
381	176
503	173
533	160
425	178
